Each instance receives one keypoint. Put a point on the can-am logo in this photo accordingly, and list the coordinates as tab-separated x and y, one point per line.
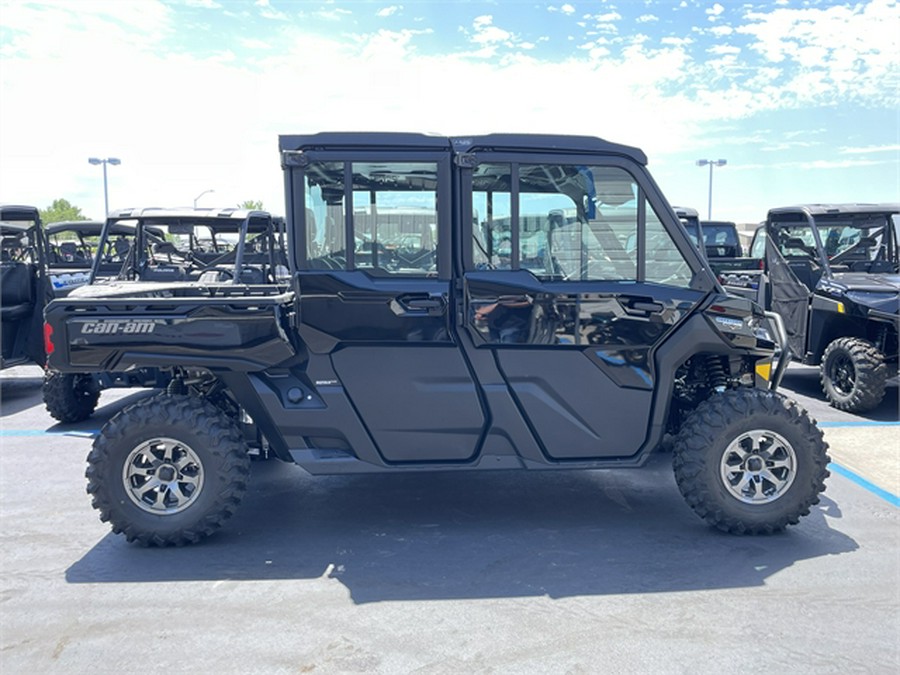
117	327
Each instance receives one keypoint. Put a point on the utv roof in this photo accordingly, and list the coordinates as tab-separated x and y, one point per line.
91	228
685	212
84	226
13	212
835	209
229	219
353	140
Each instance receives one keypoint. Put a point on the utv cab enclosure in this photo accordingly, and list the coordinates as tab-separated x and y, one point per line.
831	272
467	303
24	285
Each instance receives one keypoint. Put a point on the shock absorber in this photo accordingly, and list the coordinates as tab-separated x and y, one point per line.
715	372
176	387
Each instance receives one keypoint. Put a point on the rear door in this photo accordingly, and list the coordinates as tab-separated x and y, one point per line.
572	281
374	284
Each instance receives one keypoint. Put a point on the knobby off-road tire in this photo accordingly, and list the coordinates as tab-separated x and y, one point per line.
168	470
854	375
750	461
69	397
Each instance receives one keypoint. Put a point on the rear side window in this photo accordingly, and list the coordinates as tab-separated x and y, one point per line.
378	216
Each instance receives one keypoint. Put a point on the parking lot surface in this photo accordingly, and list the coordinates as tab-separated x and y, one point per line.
507	572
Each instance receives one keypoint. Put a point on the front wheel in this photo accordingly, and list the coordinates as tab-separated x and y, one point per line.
168	470
854	375
750	461
69	397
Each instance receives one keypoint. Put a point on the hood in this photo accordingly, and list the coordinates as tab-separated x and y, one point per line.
859	281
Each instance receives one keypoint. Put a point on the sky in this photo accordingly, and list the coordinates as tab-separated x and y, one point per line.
800	97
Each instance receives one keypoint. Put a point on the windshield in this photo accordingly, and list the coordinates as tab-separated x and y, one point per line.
850	242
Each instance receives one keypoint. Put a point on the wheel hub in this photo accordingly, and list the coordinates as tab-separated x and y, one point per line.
843	375
758	467
163	476
754	464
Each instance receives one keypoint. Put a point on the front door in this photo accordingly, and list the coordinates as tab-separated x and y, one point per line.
572	281
794	270
375	300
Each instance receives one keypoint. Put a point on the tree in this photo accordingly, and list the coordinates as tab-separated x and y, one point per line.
251	205
59	210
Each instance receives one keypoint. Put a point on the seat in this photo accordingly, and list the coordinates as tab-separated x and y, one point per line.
16	290
70	253
163	272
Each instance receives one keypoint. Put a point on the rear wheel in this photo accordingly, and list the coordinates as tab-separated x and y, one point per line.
854	375
70	397
750	461
168	470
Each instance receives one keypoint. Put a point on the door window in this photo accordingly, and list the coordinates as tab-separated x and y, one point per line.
391	217
568	222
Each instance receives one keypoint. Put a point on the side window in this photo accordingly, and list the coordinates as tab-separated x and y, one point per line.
326	246
795	241
758	245
571	223
393	212
665	264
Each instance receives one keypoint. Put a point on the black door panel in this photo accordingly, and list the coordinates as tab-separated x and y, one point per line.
576	410
419	405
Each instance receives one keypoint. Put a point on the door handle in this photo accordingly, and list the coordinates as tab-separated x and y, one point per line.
651	307
415	304
642	306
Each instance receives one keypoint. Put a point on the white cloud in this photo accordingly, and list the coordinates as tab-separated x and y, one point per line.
254	43
834	53
646	18
567	9
724	49
388	11
676	41
487	33
605	18
266	11
715	10
334	14
869	148
663	98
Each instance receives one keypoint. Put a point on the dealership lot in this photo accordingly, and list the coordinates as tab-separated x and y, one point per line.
569	572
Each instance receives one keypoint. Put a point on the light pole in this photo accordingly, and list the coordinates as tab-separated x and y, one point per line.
196	199
109	160
712	163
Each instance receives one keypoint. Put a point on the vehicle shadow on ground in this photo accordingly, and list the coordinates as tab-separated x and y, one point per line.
18	394
805	381
471	535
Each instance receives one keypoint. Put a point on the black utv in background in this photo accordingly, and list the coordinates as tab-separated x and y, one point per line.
831	272
205	246
455	304
717	240
25	286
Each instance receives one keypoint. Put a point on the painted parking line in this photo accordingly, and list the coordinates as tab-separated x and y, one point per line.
13	433
856	423
862	482
833	466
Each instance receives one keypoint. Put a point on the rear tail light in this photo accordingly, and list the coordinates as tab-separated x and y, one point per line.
48	339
